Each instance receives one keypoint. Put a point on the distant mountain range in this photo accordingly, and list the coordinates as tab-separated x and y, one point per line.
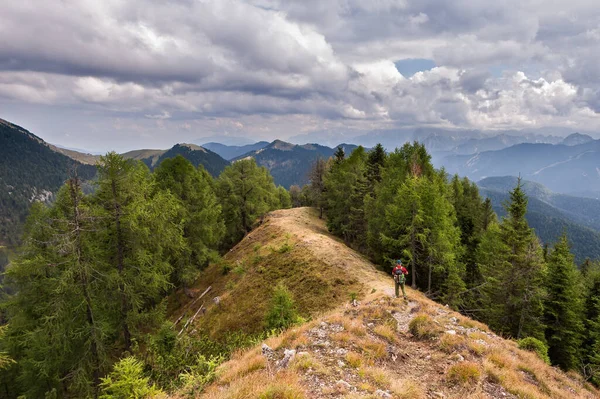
568	169
230	152
550	214
290	164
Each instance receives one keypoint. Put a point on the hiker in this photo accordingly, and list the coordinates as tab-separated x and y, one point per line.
399	273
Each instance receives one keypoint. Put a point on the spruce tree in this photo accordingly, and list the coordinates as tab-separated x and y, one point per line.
515	275
590	359
563	307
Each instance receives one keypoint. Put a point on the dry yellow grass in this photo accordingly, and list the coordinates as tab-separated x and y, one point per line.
407	389
422	326
387	332
240	367
259	385
373	350
376	376
452	342
464	373
354	359
307	362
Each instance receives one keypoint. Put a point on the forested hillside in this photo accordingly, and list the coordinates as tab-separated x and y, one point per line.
94	273
230	152
29	170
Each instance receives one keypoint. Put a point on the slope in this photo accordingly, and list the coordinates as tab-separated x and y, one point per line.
290	164
380	347
29	170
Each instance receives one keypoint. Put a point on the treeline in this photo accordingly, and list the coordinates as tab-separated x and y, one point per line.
94	271
397	206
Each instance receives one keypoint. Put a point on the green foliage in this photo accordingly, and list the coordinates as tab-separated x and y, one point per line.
514	269
127	381
282	311
563	307
200	211
246	192
535	345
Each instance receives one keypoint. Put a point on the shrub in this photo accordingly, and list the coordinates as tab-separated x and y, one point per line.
464	373
535	345
282	310
422	326
127	380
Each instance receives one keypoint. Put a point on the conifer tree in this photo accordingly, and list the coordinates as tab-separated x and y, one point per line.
203	225
317	176
246	192
140	228
375	163
284	198
405	233
515	276
590	359
58	318
563	307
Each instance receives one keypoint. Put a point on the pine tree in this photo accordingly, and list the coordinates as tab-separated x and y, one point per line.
339	155
563	307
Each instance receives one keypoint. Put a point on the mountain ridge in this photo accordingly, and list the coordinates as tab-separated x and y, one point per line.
362	344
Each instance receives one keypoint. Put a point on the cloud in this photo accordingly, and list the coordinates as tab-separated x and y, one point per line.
280	67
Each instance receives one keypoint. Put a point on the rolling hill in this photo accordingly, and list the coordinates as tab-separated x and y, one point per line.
567	169
288	163
370	348
30	169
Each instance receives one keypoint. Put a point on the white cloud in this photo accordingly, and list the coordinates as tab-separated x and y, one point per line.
278	67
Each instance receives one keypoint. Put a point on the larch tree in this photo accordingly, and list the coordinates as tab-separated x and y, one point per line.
200	212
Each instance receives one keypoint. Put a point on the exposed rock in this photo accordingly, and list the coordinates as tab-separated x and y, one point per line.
438	395
344	385
451	332
268	352
382	394
217	300
288	356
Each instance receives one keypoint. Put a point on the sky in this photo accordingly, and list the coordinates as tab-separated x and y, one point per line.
116	74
